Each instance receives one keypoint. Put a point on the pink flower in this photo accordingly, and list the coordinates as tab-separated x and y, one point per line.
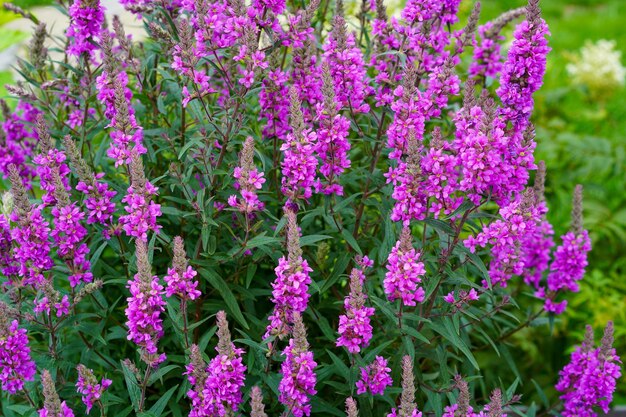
88	386
16	365
375	377
404	272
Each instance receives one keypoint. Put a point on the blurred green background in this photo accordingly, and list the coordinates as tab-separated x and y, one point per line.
581	133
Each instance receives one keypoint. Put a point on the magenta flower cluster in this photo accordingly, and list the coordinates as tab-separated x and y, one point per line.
86	22
289	294
89	388
145	324
16	365
355	329
64	411
375	377
568	267
221	390
299	164
404	272
590	378
142	211
298	379
100	207
32	247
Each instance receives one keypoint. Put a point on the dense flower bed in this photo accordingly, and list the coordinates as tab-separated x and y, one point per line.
363	206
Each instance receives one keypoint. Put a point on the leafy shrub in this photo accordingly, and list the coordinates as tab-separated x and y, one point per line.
369	231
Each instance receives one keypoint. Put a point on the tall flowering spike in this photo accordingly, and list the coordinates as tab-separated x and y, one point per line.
290	289
142	211
589	380
588	341
298	376
347	67
248	181
52	405
606	343
87	17
21	202
256	403
577	210
539	186
8	266
538	241
196	371
180	276
52	402
69	232
145	306
113	92
355	330
37	50
224	345
225	376
409	193
305	74
88	386
100	208
462	407
407	400
404	272
469	31
299	162
16	365
524	68
464	397
31	239
408	114
570	260
487	58
351	408
495	405
332	139
274	101
408	407
127	135
50	164
375	377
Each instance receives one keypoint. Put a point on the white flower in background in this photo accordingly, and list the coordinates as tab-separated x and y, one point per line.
599	67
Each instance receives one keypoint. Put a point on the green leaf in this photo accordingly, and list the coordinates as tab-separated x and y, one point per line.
340	367
413	332
371	354
134	391
227	295
311	239
441	226
542	395
20	409
262	240
351	241
159	406
452	336
161	372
